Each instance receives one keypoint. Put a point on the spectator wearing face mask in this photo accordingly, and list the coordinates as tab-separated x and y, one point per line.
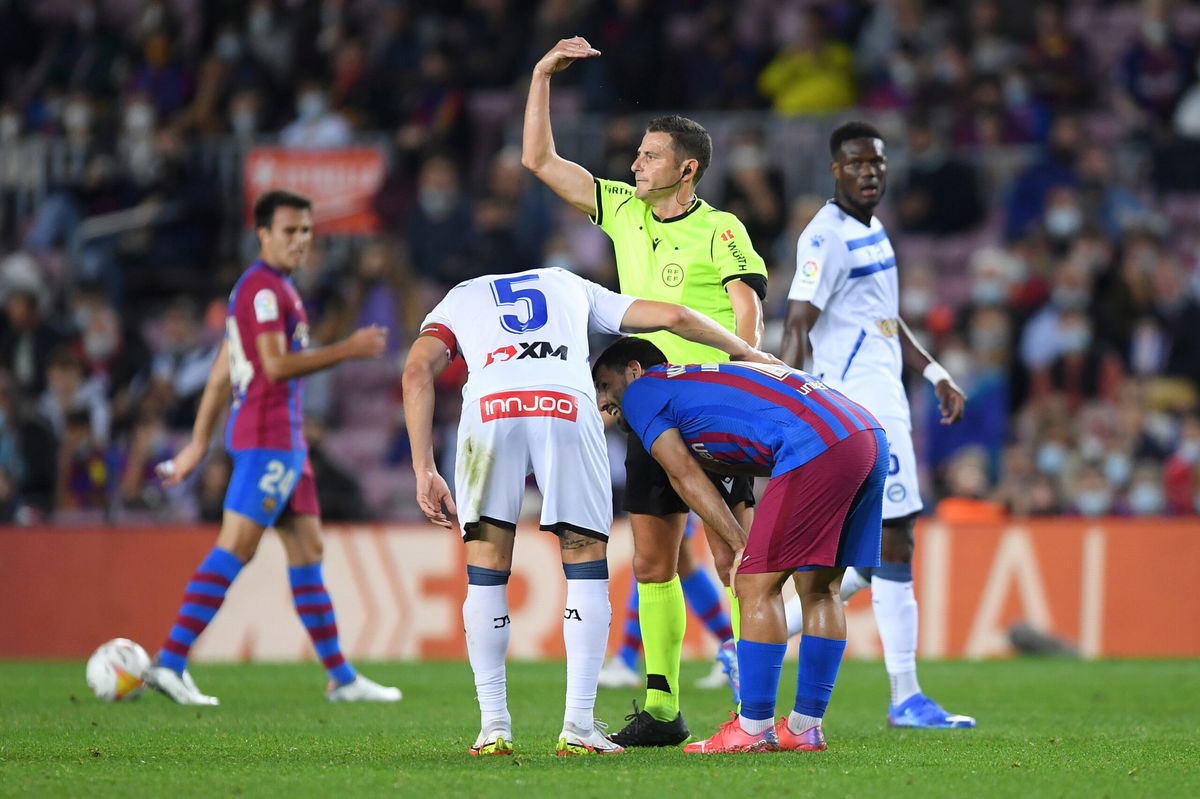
1026	200
316	125
1040	344
1145	495
1090	494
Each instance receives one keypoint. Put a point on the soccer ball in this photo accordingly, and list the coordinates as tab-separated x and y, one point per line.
115	670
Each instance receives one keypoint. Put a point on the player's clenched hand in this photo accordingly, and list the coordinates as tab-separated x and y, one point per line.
368	342
174	471
565	53
758	356
951	400
433	497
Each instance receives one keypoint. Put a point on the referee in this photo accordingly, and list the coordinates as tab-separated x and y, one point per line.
670	246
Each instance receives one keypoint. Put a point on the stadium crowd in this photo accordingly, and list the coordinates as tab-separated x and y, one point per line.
1045	205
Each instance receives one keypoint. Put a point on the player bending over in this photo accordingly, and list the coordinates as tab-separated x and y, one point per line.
826	457
529	408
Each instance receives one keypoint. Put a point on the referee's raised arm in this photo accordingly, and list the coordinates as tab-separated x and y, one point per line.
566	178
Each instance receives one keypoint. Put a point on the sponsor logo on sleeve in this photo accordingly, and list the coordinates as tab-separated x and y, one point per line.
266	306
809	269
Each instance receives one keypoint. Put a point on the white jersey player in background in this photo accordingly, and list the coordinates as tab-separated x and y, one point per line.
529	407
844	326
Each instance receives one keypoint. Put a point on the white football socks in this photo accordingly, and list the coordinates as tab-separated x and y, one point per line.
896	617
487	624
798	722
586	619
755	726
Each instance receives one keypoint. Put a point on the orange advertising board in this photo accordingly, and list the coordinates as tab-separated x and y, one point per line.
1111	587
341	182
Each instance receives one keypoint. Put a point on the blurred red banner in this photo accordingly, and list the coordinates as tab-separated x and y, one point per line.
341	183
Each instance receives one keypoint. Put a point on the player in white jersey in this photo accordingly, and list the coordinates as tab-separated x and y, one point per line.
844	326
529	407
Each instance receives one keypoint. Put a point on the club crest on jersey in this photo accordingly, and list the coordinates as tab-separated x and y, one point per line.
888	327
896	492
268	504
672	275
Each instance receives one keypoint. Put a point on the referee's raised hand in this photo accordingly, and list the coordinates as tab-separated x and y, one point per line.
565	53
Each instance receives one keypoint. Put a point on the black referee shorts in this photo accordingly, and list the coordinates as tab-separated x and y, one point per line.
648	489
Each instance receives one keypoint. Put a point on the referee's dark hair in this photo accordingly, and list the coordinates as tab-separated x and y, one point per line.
849	132
623	350
264	206
688	137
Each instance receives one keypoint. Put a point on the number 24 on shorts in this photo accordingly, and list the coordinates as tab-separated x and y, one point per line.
278	480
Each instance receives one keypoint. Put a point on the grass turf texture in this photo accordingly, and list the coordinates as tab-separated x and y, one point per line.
1047	728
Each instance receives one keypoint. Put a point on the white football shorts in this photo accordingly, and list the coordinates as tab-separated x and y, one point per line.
902	490
553	433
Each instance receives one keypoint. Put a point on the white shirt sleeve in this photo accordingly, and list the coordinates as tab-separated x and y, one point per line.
440	315
820	266
606	308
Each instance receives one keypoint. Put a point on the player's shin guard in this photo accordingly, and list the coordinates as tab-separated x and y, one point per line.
896	616
586	620
664	619
820	659
759	665
700	592
315	609
201	600
487	625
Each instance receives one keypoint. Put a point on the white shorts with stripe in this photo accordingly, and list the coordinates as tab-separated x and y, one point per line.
551	432
902	490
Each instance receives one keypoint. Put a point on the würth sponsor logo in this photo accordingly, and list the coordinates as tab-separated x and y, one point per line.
513	404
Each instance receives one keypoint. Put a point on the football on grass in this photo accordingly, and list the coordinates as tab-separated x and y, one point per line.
115	670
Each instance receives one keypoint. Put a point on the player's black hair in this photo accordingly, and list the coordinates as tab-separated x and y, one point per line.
849	132
264	206
623	350
688	137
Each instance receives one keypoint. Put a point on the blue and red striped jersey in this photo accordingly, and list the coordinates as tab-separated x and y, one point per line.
266	414
743	414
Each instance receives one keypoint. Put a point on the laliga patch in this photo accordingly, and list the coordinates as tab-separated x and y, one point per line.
896	492
266	306
809	269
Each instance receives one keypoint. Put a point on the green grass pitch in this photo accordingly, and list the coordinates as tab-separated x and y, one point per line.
1047	728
